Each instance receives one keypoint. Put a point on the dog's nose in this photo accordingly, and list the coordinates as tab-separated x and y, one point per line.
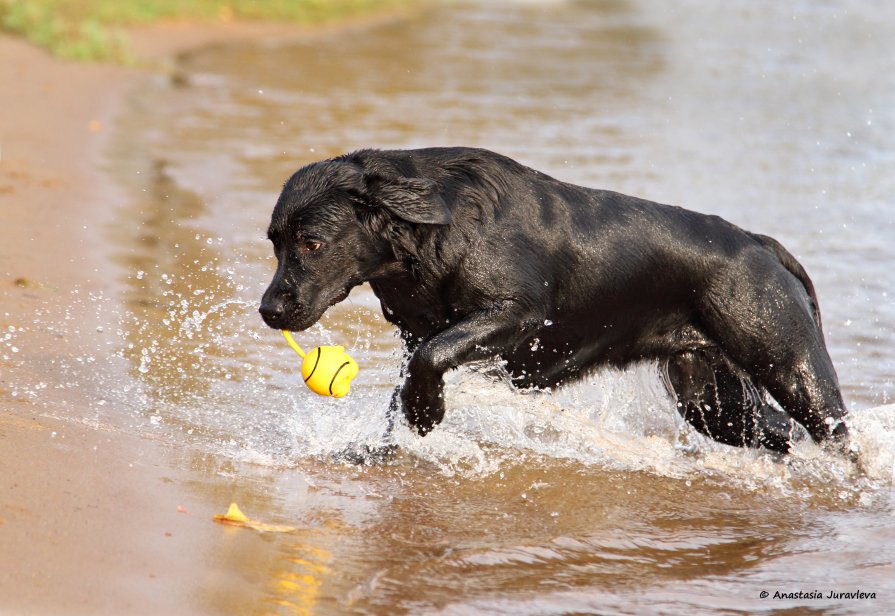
271	312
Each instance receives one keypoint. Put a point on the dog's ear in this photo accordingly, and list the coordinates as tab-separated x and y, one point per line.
411	199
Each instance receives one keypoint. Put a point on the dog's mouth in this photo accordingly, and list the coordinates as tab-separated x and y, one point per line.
307	321
340	296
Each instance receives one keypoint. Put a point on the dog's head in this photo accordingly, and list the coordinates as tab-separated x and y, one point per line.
334	227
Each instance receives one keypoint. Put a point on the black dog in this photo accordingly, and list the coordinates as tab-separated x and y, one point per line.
474	256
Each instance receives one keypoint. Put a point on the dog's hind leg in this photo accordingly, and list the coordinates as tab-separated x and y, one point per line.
721	402
765	321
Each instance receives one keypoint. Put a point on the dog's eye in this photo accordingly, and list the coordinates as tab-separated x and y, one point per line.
311	245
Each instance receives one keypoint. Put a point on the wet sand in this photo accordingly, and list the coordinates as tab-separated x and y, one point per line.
91	520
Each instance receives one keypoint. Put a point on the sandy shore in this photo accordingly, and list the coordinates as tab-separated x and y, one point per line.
91	520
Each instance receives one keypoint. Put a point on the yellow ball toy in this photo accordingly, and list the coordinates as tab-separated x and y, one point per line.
327	370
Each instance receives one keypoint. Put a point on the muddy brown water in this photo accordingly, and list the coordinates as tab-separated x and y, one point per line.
594	500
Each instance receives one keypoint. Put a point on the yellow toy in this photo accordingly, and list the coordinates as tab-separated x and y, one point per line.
327	370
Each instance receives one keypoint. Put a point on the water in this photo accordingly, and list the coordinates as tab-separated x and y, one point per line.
599	498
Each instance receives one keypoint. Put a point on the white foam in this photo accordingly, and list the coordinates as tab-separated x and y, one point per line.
873	431
625	421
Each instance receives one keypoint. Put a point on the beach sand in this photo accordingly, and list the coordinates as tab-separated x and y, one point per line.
92	520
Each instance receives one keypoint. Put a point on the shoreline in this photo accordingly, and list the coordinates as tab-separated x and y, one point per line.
92	519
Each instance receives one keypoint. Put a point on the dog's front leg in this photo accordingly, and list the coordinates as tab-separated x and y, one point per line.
478	336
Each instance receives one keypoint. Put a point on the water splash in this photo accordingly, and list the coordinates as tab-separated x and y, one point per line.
204	372
255	409
192	324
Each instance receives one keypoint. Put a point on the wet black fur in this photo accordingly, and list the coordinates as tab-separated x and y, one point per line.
473	255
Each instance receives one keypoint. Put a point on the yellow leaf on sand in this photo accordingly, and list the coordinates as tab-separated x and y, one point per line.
234	514
235	517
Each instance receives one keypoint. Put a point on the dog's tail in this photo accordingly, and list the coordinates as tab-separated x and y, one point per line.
795	268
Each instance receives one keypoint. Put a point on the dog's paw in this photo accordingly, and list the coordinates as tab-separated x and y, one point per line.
423	407
842	445
776	430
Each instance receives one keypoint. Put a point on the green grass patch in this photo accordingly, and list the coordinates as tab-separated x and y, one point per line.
93	29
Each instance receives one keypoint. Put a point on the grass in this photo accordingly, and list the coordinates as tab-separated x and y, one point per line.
94	29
